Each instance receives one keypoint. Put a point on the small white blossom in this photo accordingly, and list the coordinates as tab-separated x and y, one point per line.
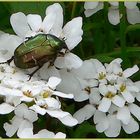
23	118
28	133
132	11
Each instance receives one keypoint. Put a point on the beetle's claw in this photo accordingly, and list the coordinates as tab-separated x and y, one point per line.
8	61
30	76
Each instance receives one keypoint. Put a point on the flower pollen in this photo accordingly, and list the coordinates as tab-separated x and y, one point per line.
28	93
109	95
101	76
122	87
88	90
46	93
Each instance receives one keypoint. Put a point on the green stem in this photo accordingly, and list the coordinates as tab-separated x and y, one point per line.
107	29
73	9
122	34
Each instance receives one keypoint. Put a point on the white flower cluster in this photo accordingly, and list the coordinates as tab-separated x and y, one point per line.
109	89
17	91
111	94
114	16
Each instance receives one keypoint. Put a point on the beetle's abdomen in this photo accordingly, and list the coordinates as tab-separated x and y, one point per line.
36	57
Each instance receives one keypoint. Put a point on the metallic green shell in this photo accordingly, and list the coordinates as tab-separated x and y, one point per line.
38	50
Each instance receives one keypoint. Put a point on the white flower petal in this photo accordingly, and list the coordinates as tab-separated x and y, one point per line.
60	62
91	5
20	110
133	88
114	3
14	40
113	16
68	120
130	71
8	91
128	97
19	24
130	4
73	41
31	115
38	109
103	89
86	71
57	113
52	103
24	124
26	99
64	95
44	134
133	15
26	133
131	127
124	115
72	31
90	12
104	105
99	116
114	66
103	125
135	110
113	109
53	82
48	22
6	108
72	61
13	127
99	66
118	101
114	127
84	113
94	97
57	10
60	135
34	21
71	86
46	72
138	96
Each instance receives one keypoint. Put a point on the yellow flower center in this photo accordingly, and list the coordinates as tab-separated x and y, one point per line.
28	93
46	93
101	76
120	74
109	95
122	87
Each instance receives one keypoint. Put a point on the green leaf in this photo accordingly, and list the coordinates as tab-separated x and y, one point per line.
132	28
83	129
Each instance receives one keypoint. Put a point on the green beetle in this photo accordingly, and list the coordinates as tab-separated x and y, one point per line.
36	51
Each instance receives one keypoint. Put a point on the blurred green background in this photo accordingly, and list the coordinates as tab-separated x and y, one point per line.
101	40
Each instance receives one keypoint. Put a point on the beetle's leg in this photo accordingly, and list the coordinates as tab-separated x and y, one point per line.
52	62
8	61
31	74
29	37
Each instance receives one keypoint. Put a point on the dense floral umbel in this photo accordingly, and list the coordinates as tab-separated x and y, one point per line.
15	89
111	95
114	16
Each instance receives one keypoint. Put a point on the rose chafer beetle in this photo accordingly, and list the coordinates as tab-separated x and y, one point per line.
36	51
